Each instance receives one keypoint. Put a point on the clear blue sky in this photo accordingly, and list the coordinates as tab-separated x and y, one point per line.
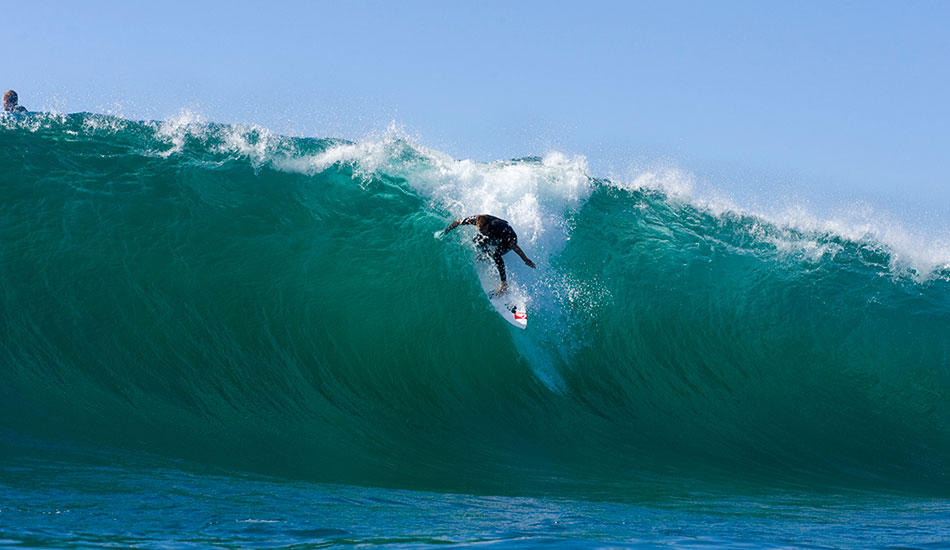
848	98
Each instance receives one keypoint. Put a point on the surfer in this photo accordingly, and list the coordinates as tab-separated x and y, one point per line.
494	238
10	100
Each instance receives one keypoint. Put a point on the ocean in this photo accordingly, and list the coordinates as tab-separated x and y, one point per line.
215	336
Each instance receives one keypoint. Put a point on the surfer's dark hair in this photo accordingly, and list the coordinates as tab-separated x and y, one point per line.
10	97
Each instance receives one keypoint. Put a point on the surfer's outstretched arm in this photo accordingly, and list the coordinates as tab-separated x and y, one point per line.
524	258
461	221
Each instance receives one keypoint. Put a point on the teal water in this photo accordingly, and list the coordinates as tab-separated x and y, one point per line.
270	318
70	498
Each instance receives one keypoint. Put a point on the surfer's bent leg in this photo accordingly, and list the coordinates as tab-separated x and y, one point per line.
500	264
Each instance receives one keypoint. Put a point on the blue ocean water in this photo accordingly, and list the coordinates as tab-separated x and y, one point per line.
215	336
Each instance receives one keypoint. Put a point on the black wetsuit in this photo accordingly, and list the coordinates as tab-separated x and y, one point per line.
498	237
493	239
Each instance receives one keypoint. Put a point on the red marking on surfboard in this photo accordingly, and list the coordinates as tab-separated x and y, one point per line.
520	315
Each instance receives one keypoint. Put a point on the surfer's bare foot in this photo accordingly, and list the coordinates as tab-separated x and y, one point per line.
501	290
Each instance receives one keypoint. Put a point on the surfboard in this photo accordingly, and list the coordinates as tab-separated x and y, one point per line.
511	304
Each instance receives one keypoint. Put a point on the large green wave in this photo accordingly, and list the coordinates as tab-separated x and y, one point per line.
276	304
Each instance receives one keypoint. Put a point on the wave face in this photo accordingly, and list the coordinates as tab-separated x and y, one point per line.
223	294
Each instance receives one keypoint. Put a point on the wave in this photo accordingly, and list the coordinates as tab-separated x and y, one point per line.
225	294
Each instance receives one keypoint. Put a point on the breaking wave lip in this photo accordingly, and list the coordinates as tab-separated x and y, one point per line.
537	194
792	229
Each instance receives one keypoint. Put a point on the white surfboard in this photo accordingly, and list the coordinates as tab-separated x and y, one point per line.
511	304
